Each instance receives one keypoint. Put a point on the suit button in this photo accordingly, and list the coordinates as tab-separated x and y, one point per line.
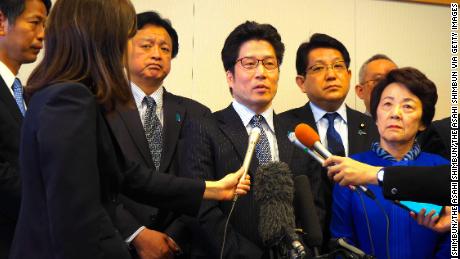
394	191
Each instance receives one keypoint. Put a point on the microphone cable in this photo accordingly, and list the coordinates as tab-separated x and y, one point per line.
367	222
387	234
226	227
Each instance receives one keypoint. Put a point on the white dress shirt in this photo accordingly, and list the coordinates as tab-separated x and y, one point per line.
246	115
340	124
139	95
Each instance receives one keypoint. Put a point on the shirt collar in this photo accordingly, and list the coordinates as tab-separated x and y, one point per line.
413	153
7	75
139	95
246	114
319	113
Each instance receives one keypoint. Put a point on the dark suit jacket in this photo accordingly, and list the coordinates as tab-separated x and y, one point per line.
217	146
10	183
72	170
436	139
357	123
422	184
127	127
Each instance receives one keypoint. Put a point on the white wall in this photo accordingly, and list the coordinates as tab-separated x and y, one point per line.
411	34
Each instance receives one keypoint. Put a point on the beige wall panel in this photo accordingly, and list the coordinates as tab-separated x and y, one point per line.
411	34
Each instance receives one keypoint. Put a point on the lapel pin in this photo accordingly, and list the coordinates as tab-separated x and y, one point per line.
177	117
361	131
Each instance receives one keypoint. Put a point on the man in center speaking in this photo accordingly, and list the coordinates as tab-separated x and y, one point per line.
252	55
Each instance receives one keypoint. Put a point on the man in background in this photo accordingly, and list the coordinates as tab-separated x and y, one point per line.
150	134
22	28
370	73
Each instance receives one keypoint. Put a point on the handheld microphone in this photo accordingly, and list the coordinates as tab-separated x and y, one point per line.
253	139
308	136
306	213
254	136
274	192
295	141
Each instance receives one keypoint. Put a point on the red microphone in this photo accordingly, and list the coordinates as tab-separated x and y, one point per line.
308	136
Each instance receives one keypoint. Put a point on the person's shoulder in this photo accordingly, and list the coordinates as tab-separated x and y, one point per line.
65	88
188	103
292	113
432	159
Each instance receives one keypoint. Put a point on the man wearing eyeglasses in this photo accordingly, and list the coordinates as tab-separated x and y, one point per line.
251	56
323	74
370	73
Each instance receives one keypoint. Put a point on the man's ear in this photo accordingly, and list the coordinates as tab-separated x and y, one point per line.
3	24
300	80
359	89
230	78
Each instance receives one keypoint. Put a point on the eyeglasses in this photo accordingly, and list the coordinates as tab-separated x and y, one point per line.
251	63
373	81
338	67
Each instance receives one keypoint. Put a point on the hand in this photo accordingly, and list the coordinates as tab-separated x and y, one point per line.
227	187
151	244
347	171
439	224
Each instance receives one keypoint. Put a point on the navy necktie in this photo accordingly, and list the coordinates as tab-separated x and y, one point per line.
334	141
263	152
18	96
153	131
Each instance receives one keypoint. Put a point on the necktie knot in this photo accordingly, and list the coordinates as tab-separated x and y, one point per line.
18	95
331	117
150	102
257	121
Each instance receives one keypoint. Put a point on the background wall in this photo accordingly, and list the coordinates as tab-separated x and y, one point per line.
411	34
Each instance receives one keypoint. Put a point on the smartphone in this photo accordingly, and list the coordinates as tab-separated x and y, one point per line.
417	206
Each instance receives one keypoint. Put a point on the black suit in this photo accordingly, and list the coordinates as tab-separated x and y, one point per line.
10	183
127	127
362	131
72	170
436	139
217	146
418	183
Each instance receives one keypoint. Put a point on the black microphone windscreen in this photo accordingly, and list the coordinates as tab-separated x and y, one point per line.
274	191
306	211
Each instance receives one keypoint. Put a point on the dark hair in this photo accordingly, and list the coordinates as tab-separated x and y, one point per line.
13	8
154	18
250	31
417	83
371	59
318	40
77	48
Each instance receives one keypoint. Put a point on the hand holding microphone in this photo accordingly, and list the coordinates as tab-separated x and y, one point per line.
308	136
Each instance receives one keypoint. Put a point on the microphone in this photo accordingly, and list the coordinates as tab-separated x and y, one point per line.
253	139
274	192
254	136
341	245
308	136
295	141
306	213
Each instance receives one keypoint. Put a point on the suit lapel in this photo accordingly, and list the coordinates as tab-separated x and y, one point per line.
10	103
172	120
357	133
132	121
306	115
230	124
284	145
